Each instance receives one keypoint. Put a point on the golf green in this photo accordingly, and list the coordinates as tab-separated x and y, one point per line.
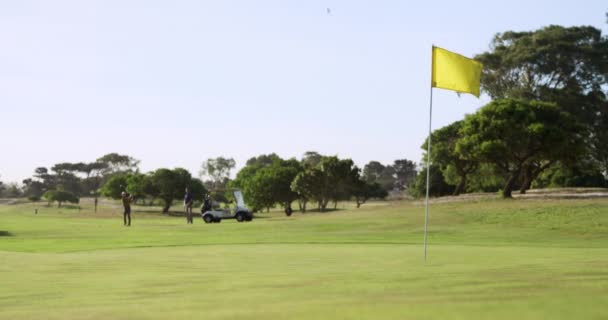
496	259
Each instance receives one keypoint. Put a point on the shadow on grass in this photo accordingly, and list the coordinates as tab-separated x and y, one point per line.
5	234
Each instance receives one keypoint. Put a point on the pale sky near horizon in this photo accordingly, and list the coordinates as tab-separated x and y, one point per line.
172	83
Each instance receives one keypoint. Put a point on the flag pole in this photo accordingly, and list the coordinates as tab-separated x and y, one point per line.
428	165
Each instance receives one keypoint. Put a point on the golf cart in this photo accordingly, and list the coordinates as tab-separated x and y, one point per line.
240	212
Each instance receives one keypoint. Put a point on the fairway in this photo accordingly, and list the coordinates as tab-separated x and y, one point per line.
488	259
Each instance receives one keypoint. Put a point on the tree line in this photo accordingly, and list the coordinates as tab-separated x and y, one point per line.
267	181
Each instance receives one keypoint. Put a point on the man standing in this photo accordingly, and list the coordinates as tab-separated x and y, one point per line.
188	200
126	203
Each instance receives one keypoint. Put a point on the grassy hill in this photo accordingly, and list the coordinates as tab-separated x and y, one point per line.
497	259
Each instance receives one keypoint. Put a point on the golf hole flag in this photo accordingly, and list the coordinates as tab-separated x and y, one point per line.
454	72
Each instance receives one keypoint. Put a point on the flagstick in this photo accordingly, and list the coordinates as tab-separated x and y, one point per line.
428	170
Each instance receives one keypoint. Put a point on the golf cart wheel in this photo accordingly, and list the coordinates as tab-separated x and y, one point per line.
208	218
240	217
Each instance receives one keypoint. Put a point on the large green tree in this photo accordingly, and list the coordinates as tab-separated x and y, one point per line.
567	66
266	180
512	133
332	179
170	185
60	196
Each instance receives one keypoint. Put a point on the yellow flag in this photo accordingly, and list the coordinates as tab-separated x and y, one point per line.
454	72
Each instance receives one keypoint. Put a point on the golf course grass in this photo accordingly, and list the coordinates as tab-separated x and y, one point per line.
487	259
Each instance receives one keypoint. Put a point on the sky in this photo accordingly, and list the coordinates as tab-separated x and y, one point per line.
173	83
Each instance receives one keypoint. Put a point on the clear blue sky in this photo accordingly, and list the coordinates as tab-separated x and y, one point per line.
175	82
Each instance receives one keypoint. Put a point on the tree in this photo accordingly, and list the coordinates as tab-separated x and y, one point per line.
33	189
307	184
115	186
135	185
218	170
565	66
331	179
113	163
60	196
444	155
373	171
94	179
528	65
311	159
571	175
364	191
376	172
65	177
512	133
266	180
169	185
405	171
263	160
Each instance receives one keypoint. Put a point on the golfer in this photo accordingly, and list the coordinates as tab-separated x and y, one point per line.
188	200
126	203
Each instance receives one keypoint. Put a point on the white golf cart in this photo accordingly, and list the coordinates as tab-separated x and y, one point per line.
240	212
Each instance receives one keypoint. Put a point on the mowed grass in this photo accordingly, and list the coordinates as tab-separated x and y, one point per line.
490	259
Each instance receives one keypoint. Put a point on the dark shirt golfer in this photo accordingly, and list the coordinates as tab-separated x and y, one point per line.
188	200
126	203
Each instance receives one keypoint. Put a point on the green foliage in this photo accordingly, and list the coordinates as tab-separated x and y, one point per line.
438	186
197	189
266	181
565	66
135	185
571	176
363	191
485	179
535	64
169	185
405	173
113	163
60	196
332	179
114	186
376	172
455	167
218	170
512	133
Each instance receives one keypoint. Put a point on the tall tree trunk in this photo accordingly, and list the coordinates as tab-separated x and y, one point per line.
508	188
461	185
526	179
167	206
527	183
335	205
